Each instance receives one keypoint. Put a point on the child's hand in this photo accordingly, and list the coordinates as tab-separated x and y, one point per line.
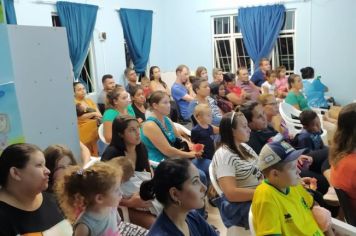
309	183
196	154
304	162
98	115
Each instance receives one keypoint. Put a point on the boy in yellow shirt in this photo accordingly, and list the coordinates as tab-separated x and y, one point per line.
281	205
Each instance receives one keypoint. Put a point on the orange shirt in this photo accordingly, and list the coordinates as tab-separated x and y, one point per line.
343	176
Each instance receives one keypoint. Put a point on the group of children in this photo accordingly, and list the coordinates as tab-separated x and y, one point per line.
276	83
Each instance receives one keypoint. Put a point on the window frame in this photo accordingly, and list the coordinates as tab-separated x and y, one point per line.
232	36
92	78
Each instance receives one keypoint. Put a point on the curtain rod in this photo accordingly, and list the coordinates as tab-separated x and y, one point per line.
53	2
234	8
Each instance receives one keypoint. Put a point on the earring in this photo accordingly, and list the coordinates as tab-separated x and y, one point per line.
179	203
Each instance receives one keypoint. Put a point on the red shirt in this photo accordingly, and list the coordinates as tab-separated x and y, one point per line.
343	176
235	89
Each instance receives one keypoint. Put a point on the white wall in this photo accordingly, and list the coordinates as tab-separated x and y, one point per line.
325	35
333	49
109	54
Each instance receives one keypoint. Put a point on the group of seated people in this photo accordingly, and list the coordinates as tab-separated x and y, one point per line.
238	140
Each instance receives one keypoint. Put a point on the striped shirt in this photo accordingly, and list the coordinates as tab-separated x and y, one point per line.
226	163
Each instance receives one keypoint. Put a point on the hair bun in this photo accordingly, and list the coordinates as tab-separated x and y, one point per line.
147	190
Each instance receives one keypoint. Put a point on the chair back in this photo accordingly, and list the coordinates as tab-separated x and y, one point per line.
213	180
289	113
101	133
347	207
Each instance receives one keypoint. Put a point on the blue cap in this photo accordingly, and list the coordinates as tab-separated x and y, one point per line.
277	152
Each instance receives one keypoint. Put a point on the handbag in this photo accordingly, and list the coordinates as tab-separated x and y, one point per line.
178	143
181	144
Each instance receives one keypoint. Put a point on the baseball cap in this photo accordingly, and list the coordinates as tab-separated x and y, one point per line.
277	152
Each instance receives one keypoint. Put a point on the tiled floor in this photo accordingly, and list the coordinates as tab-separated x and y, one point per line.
215	219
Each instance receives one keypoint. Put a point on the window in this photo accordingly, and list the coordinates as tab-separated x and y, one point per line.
230	52
87	73
128	59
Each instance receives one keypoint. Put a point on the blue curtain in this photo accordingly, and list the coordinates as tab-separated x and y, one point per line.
137	27
79	20
260	27
10	12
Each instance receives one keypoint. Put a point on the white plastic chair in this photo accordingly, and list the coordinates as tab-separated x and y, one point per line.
233	230
91	162
294	126
250	223
287	111
182	128
101	133
342	228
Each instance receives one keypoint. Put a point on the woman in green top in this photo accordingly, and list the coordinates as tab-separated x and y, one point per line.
295	97
117	103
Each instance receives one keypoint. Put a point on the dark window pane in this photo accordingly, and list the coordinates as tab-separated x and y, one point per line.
243	60
226	28
236	27
223	51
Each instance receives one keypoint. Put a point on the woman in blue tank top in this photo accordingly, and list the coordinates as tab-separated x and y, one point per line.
158	132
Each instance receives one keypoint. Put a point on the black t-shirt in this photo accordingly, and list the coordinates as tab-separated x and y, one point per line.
259	138
142	163
47	217
204	136
138	113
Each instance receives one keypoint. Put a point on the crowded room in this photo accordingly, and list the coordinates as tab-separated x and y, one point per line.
177	118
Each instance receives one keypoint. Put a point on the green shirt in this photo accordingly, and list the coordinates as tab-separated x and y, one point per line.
297	99
110	114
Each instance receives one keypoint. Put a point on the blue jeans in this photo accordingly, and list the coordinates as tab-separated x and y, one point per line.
203	165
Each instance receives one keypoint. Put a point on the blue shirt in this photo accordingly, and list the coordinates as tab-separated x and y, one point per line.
258	78
204	136
163	226
315	92
312	141
153	153
178	92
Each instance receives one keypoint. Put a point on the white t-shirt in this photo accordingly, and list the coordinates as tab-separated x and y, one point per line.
226	163
271	87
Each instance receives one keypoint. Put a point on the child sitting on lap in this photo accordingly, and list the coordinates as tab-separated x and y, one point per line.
131	182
